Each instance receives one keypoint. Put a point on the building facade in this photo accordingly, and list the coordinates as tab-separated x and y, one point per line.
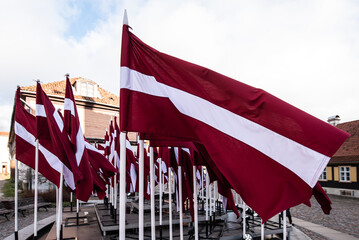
4	154
341	175
95	107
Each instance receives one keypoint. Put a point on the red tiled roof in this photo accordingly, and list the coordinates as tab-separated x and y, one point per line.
58	88
345	159
349	151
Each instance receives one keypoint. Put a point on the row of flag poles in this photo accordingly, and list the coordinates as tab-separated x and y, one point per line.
268	151
36	139
54	145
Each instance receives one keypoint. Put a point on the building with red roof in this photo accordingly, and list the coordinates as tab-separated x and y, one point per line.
341	175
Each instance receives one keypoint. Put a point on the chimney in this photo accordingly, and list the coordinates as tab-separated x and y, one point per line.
334	120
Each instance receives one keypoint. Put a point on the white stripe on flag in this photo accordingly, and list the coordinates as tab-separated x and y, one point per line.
133	175
128	145
283	150
80	146
51	158
58	120
40	110
69	105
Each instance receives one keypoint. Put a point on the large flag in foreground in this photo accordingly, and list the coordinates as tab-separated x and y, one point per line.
270	152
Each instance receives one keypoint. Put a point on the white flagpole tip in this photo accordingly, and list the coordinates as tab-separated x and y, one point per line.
125	19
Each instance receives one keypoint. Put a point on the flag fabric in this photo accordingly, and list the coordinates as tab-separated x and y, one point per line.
117	154
111	148
270	152
50	132
146	172
73	129
322	198
100	163
25	140
131	163
107	145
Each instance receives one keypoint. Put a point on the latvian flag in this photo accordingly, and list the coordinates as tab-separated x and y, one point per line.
270	152
50	166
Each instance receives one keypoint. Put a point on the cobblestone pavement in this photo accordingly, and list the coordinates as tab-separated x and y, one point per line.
344	216
7	227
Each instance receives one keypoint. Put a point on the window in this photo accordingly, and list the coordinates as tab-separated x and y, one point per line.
90	90
323	176
87	89
344	173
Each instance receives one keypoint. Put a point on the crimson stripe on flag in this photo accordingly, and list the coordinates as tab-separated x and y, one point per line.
264	140
252	103
51	158
278	149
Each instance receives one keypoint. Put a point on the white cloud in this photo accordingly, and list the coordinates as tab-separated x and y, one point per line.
6	112
305	52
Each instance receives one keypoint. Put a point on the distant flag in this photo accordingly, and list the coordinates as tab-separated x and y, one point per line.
99	162
107	144
73	129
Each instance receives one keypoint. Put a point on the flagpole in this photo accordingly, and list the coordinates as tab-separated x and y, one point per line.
122	210
16	199
77	211
210	206
284	224
36	182
244	218
202	187
215	196
262	231
115	179
207	199
141	189
195	203
170	201
152	181
57	207
59	220
71	201
161	188
180	200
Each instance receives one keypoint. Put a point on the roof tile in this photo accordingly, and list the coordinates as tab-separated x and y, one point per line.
58	88
349	151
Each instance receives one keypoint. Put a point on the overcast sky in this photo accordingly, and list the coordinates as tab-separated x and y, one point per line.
304	52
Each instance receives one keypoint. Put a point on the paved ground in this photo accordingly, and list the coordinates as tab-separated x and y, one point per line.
7	227
344	216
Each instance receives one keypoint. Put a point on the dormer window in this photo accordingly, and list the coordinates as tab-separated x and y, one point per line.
87	88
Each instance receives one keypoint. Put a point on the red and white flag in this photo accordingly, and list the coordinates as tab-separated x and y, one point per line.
107	145
25	141
50	133
111	142
131	165
74	130
270	152
99	162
